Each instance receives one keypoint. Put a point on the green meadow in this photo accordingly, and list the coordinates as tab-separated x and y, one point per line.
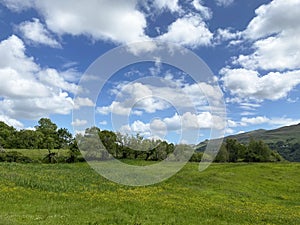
263	193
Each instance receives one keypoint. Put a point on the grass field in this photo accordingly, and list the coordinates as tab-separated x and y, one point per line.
39	154
223	194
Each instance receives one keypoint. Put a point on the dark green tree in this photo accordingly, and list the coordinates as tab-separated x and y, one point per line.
258	151
232	147
7	135
223	154
74	152
109	140
65	138
49	130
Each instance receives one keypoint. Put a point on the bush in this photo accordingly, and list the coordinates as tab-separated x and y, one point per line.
196	157
14	156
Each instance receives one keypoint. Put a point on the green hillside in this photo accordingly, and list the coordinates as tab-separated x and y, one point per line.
288	134
284	140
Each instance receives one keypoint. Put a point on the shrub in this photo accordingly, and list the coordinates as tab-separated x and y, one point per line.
14	156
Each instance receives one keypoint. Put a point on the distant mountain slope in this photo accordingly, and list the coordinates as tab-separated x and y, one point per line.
285	140
289	134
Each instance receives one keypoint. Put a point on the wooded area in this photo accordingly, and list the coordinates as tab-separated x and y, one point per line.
48	136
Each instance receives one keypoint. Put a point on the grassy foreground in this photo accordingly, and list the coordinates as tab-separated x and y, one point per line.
223	194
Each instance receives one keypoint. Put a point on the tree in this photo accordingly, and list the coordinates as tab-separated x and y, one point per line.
258	151
29	139
7	135
223	154
232	149
109	140
65	138
135	145
92	145
74	152
49	130
196	157
2	150
161	151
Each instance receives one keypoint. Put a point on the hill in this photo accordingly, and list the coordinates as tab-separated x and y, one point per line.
288	134
284	140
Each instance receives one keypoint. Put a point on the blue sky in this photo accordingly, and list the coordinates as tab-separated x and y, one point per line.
252	48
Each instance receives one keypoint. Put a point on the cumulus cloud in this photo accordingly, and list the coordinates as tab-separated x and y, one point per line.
26	89
140	97
190	31
83	102
270	68
227	34
79	123
255	120
13	56
171	5
120	22
185	122
36	33
249	84
258	120
11	122
132	98
274	30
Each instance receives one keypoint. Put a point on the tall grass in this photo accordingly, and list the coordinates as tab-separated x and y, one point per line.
223	194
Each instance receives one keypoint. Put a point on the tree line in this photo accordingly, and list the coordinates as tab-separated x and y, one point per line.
255	151
47	135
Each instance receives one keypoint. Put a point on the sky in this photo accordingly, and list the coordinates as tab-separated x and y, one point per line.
251	47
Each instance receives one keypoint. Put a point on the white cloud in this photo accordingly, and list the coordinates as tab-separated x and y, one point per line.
104	122
121	108
18	5
226	35
249	84
190	31
283	121
52	77
137	127
275	31
15	85
249	106
138	97
83	102
231	123
36	33
255	120
158	128
11	122
13	56
205	11
120	22
186	122
171	5
258	120
273	18
78	123
134	97
26	90
224	3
